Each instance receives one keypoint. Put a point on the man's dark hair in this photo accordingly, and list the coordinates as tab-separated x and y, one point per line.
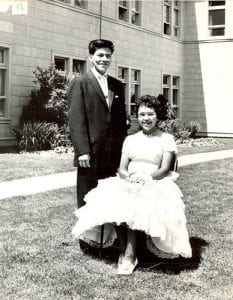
100	43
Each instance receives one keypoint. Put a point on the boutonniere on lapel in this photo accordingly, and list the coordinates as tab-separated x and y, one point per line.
116	96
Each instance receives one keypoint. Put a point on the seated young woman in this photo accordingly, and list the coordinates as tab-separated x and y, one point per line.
141	197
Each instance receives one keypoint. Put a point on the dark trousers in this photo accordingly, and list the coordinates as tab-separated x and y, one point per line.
87	179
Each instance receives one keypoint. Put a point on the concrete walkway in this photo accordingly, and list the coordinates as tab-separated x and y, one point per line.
34	185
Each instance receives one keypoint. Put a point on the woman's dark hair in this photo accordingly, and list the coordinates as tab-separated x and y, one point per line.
100	43
159	104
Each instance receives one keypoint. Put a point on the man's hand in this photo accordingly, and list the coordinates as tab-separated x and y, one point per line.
84	161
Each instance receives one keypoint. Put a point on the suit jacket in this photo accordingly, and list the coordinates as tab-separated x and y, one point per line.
96	128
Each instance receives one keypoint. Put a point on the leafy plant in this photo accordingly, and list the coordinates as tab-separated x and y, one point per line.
180	131
193	127
48	98
35	136
44	121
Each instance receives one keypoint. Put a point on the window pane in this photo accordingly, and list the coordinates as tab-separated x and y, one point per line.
121	73
166	29
165	79
123	14
217	31
80	3
2	82
175	81
78	66
217	17
175	97
2	107
166	92
135	18
167	14
123	3
135	5
134	76
2	59
216	3
134	96
60	63
65	1
176	17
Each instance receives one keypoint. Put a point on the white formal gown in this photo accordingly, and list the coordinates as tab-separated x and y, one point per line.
155	207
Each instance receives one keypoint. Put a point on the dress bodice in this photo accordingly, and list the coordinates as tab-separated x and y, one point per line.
146	152
142	167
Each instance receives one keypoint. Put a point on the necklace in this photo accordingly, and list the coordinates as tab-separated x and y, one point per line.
151	133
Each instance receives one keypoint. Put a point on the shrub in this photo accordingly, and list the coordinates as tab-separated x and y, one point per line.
62	138
48	99
35	136
179	130
193	127
44	121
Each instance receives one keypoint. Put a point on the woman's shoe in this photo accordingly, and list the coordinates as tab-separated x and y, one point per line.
127	267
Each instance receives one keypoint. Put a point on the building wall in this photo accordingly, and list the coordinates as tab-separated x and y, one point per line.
52	28
208	63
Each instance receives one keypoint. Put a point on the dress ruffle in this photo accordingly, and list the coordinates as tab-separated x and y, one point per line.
155	208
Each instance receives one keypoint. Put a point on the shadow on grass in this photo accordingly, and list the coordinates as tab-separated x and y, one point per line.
148	261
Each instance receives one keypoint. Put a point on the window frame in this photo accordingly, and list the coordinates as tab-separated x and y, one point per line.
211	28
127	81
130	11
170	28
69	64
72	3
6	67
135	83
167	23
171	87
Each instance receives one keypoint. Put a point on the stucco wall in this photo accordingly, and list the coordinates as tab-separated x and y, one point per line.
208	63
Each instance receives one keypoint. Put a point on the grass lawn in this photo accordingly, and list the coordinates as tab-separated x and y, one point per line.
22	165
16	166
39	260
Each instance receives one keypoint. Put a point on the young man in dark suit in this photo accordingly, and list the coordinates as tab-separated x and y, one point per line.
97	119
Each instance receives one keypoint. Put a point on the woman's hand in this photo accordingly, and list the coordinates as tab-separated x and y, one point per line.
140	178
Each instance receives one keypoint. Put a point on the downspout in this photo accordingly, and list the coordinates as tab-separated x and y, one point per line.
100	33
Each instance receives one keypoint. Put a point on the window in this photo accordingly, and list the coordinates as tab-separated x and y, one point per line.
76	3
131	79
171	90
167	18
78	66
216	18
135	89
171	17
166	86
70	65
61	63
4	67
130	11
176	18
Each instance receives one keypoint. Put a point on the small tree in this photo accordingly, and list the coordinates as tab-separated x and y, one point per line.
44	121
48	99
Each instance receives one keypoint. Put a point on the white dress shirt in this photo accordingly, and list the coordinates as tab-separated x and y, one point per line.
103	82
